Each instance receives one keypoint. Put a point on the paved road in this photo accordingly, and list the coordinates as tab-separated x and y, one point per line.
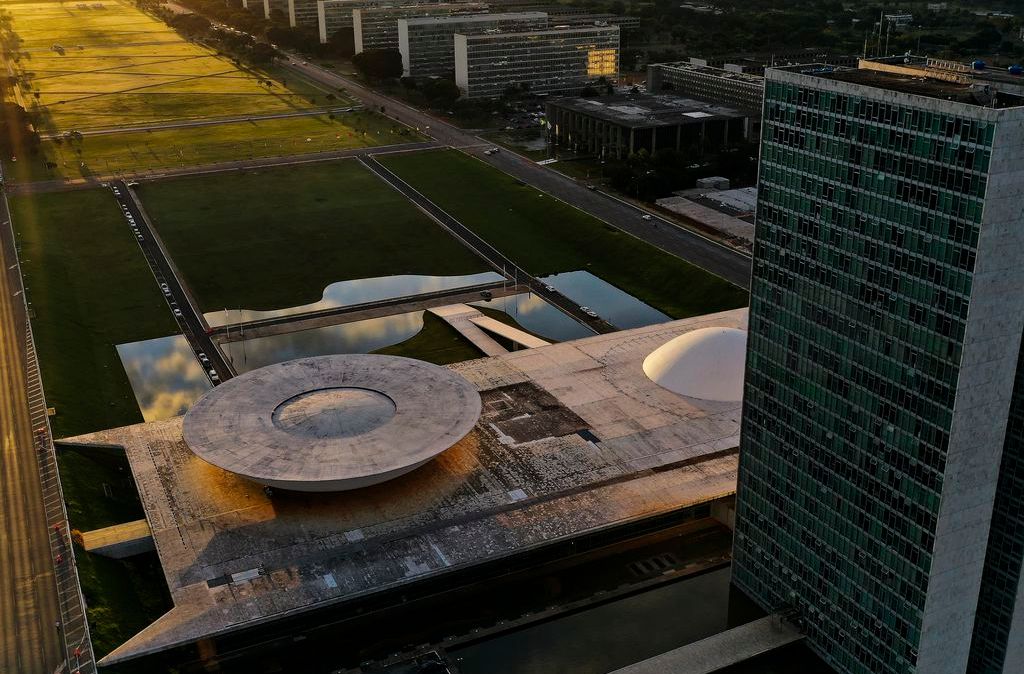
206	122
492	255
179	301
29	640
222	167
683	243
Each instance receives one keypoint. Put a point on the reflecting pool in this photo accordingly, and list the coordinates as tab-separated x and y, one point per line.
356	337
165	376
357	291
539	317
613	305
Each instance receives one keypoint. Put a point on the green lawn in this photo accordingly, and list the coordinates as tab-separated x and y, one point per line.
118	65
144	151
437	343
99	490
276	238
123	596
547	236
90	290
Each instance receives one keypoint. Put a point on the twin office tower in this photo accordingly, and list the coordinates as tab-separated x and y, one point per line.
881	483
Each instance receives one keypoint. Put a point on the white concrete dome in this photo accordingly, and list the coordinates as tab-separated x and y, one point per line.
332	423
706	364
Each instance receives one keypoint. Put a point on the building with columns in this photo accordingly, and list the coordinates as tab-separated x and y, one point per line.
614	127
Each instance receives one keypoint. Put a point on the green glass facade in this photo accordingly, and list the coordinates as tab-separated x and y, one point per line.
867	232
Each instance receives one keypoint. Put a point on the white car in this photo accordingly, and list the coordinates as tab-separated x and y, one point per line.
213	376
550	289
646	217
167	291
177	313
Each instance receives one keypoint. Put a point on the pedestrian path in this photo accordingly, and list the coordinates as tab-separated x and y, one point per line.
721	650
459	317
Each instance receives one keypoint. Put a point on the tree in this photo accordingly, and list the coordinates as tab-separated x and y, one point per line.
190	25
380	64
262	52
342	42
16	132
441	91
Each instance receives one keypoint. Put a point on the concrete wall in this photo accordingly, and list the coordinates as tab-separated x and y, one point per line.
991	343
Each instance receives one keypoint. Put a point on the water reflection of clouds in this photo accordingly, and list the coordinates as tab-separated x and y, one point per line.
358	291
615	306
164	374
539	317
357	337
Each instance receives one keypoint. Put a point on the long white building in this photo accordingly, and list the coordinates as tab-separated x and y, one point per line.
541	61
427	44
377	27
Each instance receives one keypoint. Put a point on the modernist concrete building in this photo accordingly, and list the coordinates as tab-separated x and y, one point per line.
617	126
716	85
303	13
540	61
427	44
272	6
882	451
377	27
335	15
572	440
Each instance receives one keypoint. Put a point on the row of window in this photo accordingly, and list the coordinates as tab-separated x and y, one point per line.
913	119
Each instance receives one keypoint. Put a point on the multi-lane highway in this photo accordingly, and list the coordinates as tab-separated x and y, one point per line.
179	300
30	639
683	243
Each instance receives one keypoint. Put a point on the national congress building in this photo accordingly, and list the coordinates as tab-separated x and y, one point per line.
881	475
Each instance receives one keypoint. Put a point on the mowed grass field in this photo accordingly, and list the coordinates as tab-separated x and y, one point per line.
90	290
546	236
437	343
140	152
120	66
275	238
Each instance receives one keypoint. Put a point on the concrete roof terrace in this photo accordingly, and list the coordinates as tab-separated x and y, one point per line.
647	110
573	438
920	77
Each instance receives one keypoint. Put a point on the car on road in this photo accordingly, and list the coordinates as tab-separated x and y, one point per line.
591	187
167	291
139	236
213	376
177	313
646	217
591	313
203	359
550	289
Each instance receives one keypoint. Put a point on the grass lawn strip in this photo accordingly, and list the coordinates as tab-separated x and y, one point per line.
142	151
437	343
275	238
547	236
90	289
122	66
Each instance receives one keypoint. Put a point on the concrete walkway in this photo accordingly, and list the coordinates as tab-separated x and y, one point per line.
120	540
460	316
516	335
721	650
